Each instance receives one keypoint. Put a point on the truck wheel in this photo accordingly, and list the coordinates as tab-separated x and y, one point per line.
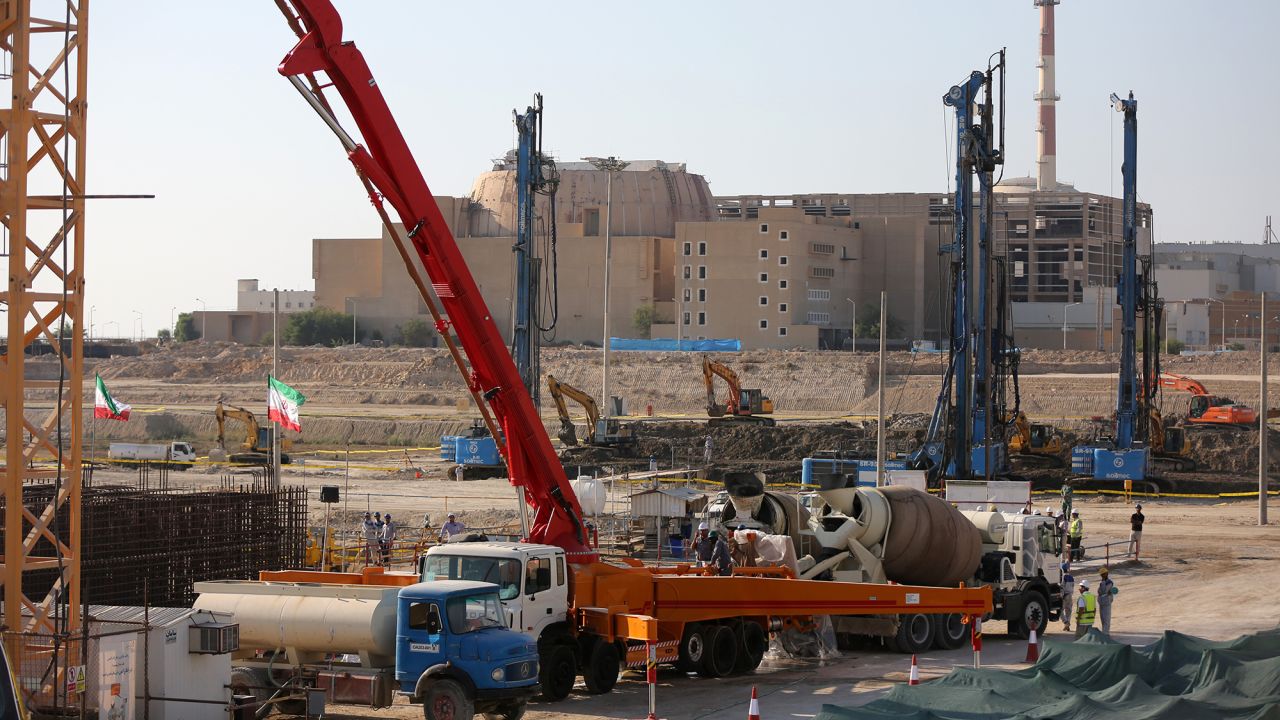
721	653
250	681
752	645
509	711
558	673
949	631
1035	610
602	668
693	644
446	700
915	633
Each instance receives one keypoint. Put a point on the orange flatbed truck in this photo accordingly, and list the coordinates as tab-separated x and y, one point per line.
584	613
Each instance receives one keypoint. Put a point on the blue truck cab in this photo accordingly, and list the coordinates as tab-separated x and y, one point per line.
456	656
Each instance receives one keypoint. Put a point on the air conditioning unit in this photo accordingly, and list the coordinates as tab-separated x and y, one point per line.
214	638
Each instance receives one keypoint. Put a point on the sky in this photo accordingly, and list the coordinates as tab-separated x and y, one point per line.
760	97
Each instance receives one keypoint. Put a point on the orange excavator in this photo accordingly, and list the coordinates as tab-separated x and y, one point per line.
1207	409
742	405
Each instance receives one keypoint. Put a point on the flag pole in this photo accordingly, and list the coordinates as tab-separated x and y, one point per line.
275	373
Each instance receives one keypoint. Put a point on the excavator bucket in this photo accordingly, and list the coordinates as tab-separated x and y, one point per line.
568	433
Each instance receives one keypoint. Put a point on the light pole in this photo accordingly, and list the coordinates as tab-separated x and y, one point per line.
853	323
204	318
353	321
173	325
91	309
1064	322
1224	319
611	165
135	312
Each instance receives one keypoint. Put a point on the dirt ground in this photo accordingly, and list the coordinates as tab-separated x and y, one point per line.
1207	570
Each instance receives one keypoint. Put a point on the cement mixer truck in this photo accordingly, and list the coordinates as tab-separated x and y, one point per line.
903	535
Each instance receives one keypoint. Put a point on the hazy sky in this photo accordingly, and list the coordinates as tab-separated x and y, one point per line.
760	97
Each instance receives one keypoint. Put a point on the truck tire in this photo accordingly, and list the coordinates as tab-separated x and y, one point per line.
752	644
250	681
915	633
508	711
445	699
950	631
693	645
601	672
1035	608
721	653
558	673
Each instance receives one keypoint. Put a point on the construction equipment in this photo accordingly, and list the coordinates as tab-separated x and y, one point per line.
607	615
602	432
1169	445
255	449
742	405
966	435
1035	441
443	644
1207	409
178	454
475	455
535	175
1125	455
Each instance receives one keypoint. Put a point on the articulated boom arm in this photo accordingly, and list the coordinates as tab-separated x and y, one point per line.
1182	382
387	163
559	391
710	369
222	412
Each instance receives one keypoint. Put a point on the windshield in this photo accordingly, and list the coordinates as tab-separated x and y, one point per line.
474	612
501	572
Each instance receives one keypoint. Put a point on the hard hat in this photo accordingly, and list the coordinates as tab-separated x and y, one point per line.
452	515
1075	513
741	526
1084	584
703	526
1103	572
388	516
1137	506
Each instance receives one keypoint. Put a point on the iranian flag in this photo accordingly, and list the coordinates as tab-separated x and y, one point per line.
283	403
105	406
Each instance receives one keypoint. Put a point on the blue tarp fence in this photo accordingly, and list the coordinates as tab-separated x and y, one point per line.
670	345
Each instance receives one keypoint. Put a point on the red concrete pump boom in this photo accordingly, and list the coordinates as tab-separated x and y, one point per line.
385	161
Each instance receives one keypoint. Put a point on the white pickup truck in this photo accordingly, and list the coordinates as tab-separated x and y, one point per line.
177	454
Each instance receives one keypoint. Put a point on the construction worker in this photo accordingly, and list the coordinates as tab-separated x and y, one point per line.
1068	591
1107	592
703	545
706	450
370	530
451	529
388	540
1075	534
720	556
1086	609
1135	530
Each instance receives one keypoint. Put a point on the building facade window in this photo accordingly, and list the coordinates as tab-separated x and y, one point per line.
764	299
591	222
822	272
702	318
687	294
764	254
686	318
784	236
688	249
764	324
782	284
764	277
819	295
782	259
702	272
822	248
702	248
782	307
819	318
764	227
688	270
702	294
782	332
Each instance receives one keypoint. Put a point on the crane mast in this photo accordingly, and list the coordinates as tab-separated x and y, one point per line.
531	180
385	161
1127	285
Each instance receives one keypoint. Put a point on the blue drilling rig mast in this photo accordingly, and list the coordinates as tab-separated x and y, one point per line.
535	175
966	435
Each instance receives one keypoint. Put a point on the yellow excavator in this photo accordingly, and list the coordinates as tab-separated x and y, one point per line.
256	447
1169	446
742	405
601	432
1035	440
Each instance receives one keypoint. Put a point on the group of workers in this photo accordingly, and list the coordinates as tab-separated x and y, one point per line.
713	549
380	530
1091	606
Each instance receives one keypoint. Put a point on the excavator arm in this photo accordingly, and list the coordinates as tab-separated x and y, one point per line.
710	369
559	391
224	412
383	159
1182	382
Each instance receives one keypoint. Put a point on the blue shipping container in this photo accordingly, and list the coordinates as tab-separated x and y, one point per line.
831	466
1128	464
476	451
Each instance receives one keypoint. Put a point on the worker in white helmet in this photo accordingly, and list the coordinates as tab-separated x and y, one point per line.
1086	609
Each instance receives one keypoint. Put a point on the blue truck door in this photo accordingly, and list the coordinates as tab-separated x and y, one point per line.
420	641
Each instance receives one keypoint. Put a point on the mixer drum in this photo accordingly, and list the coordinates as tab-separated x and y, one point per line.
929	542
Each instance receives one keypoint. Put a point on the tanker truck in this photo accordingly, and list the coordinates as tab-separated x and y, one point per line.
903	535
444	645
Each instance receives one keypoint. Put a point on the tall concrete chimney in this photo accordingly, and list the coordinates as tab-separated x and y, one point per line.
1047	127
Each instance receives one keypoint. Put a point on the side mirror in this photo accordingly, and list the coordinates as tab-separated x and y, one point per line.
433	621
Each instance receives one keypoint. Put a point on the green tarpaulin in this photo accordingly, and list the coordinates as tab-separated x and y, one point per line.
1178	677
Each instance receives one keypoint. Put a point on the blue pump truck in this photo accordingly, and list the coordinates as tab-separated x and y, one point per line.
445	645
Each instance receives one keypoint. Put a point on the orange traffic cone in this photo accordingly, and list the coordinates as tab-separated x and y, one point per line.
1033	646
914	678
753	712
